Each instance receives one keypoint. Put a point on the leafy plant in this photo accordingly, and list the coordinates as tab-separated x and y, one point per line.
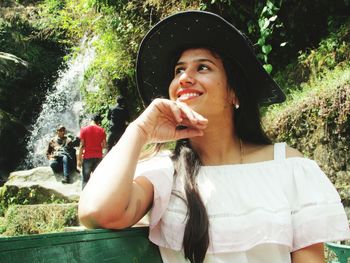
316	121
12	195
267	21
38	219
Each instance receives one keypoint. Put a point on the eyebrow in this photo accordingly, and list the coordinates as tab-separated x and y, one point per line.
196	60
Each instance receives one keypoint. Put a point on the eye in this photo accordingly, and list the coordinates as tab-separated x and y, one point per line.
179	70
203	67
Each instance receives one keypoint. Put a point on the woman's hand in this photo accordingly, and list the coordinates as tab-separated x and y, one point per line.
166	120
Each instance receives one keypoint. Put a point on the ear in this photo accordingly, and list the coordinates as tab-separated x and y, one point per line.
233	100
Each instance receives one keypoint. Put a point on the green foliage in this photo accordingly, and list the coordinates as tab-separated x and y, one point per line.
54	6
312	65
16	30
12	195
21	35
2	225
120	26
267	22
112	63
112	72
316	121
38	219
332	51
67	21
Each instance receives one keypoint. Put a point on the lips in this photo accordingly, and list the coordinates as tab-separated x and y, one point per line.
186	94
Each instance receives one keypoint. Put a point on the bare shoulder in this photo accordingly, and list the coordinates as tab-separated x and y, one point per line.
257	153
292	152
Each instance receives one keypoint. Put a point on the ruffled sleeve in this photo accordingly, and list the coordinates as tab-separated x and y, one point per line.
317	212
159	171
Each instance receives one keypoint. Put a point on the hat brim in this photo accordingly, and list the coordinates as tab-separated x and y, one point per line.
154	70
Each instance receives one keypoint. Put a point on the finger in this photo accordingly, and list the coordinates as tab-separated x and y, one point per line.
200	118
188	133
191	115
197	125
181	127
176	110
187	112
181	111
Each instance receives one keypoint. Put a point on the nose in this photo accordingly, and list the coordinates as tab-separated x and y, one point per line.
186	79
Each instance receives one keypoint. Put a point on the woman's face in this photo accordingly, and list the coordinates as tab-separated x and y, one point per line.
200	81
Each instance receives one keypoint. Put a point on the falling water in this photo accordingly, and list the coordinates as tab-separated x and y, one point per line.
62	106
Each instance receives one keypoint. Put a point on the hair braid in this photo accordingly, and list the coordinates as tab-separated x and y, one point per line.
196	236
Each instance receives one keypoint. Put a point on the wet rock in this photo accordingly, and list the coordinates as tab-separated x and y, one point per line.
11	65
13	73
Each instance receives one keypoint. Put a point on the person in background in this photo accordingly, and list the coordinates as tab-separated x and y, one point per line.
61	154
225	193
118	117
92	143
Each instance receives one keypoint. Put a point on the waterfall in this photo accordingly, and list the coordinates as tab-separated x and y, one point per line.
62	106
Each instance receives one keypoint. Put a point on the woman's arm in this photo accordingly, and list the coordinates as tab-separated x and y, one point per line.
112	198
310	254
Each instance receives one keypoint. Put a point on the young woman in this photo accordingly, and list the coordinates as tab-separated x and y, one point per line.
225	194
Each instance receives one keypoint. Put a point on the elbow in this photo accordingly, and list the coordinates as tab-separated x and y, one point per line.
93	217
88	218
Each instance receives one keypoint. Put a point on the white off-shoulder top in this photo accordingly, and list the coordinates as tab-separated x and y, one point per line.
258	212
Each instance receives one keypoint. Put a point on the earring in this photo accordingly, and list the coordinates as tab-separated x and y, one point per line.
237	106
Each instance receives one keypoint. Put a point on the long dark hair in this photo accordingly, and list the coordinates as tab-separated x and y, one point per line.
196	236
187	162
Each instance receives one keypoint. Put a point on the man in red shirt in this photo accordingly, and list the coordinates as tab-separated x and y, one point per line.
92	142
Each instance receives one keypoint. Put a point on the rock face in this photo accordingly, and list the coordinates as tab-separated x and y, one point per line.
11	65
12	131
40	185
12	139
14	71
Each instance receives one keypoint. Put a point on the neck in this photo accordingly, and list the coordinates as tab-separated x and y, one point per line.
219	145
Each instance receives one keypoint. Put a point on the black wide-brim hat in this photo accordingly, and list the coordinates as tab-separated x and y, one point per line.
154	68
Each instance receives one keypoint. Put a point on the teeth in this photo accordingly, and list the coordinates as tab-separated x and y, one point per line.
188	95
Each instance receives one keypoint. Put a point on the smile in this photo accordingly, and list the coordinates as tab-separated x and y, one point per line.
188	94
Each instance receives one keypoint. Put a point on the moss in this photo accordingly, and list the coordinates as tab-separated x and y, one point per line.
13	195
2	225
313	64
38	219
317	122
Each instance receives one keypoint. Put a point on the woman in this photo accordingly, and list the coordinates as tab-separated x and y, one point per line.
225	194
